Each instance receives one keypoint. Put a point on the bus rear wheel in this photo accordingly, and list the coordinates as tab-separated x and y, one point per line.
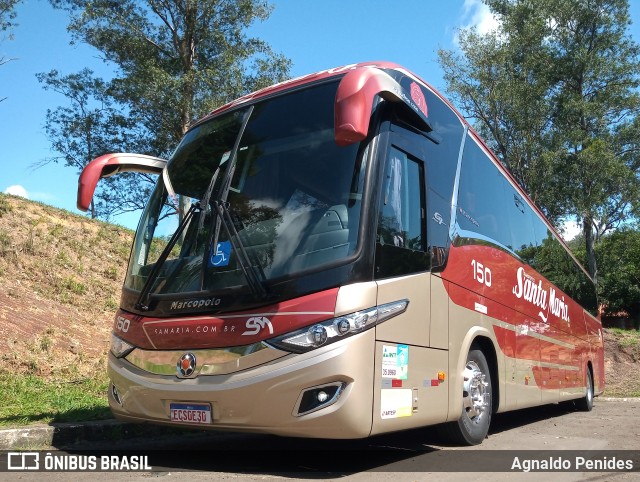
585	403
473	425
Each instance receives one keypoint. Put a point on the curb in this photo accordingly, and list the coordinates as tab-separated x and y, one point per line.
77	434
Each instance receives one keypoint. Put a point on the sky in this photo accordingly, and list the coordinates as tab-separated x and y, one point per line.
315	34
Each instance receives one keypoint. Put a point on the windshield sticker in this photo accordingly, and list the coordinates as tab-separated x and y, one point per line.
222	254
395	403
395	362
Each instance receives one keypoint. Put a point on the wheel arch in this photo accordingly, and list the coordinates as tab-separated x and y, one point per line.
485	345
478	337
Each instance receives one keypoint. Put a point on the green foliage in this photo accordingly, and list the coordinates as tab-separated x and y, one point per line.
74	286
7	14
618	257
5	242
7	22
555	92
174	62
90	125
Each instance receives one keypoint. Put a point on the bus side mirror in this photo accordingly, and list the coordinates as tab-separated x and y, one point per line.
354	101
110	164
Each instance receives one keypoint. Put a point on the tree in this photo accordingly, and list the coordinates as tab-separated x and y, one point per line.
555	90
596	68
502	87
174	61
619	258
87	127
7	22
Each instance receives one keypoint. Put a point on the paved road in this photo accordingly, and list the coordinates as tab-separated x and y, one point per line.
412	455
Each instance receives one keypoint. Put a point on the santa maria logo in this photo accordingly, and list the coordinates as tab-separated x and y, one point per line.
531	290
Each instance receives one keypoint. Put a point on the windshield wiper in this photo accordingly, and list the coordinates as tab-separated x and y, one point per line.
146	289
255	278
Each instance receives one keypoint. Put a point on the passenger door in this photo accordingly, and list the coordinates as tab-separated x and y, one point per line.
405	366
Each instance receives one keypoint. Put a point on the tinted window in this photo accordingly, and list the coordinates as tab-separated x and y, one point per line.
481	205
442	157
490	209
400	222
521	223
401	234
553	262
293	201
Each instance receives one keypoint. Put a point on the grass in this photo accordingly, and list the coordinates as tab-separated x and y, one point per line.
626	338
26	399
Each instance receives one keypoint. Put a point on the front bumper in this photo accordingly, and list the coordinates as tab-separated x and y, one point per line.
264	398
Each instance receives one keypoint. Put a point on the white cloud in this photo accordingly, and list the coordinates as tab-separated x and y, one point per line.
17	190
570	229
477	14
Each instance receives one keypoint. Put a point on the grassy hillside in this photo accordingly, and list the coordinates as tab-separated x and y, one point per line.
60	281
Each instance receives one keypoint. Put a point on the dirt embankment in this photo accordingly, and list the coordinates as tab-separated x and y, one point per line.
60	279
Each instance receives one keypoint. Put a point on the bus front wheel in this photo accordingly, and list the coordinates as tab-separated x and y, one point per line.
473	425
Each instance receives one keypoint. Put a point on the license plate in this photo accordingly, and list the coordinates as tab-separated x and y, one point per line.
190	413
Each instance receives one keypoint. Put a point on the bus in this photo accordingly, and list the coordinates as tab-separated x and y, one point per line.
339	256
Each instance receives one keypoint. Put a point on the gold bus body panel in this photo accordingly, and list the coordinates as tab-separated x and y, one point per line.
261	399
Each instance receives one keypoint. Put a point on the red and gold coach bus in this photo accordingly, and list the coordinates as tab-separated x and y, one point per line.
340	256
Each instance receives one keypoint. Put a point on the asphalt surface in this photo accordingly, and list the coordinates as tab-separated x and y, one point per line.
109	434
558	431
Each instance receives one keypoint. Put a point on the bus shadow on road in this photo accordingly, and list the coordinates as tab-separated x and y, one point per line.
290	457
308	458
518	418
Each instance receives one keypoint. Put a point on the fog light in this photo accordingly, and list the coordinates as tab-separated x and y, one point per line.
315	398
116	394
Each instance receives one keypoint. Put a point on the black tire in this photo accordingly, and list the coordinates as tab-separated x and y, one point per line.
585	404
473	425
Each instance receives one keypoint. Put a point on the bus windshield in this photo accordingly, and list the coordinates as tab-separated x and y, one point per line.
291	196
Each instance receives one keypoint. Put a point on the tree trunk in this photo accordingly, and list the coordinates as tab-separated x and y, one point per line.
589	241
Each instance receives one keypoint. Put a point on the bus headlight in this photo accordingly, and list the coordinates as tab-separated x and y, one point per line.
329	331
119	347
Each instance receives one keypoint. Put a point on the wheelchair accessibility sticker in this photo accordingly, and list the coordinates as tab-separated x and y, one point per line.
221	255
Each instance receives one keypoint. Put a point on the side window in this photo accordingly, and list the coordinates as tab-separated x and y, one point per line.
523	240
401	240
481	197
554	263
